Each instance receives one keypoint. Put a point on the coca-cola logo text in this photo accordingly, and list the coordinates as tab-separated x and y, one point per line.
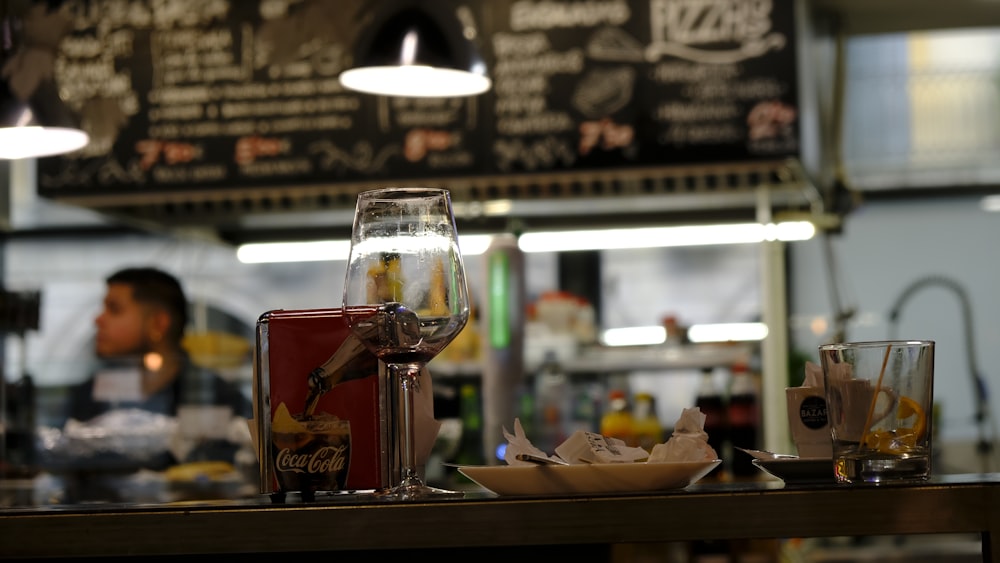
328	459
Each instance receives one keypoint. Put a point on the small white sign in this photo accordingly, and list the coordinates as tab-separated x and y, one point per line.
118	385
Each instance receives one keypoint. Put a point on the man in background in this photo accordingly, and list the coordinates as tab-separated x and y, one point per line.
144	371
139	341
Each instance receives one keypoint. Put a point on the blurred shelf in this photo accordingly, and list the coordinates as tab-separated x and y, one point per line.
604	360
895	16
656	358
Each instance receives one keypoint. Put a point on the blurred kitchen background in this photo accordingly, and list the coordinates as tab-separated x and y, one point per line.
905	247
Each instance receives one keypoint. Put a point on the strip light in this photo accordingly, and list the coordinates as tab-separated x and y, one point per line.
313	251
557	241
727	332
699	334
324	250
655	237
990	203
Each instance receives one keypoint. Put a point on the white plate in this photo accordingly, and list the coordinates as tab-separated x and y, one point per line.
587	478
798	469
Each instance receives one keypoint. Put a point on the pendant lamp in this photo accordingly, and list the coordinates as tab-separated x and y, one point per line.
418	50
34	120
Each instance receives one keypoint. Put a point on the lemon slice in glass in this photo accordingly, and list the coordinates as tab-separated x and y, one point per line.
903	438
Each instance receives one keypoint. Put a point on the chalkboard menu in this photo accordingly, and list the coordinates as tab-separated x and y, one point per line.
189	95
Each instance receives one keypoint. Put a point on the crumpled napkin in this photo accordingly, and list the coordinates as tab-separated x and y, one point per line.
837	373
814	375
590	447
689	441
518	443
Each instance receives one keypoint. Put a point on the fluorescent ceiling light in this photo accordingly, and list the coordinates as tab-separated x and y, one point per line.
563	241
313	251
699	334
990	203
654	237
634	336
474	245
323	250
727	332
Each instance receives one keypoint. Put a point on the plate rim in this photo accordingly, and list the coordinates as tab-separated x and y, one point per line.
698	470
776	468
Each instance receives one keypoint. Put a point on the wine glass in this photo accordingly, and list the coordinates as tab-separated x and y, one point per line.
406	298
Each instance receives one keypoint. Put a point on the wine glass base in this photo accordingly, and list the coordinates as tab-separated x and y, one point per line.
416	492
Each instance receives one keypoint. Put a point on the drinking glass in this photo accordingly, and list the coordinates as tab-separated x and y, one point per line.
880	397
406	298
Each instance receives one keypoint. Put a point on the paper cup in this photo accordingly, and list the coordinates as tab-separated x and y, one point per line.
807	421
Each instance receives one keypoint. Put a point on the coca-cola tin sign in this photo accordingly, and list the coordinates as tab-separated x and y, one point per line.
320	406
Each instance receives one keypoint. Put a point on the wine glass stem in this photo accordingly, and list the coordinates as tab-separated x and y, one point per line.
405	376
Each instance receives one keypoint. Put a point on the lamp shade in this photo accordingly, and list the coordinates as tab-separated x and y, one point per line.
34	120
417	51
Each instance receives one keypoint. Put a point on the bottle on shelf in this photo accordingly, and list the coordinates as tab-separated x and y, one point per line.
470	449
526	410
676	335
648	431
587	404
712	404
552	397
618	421
744	419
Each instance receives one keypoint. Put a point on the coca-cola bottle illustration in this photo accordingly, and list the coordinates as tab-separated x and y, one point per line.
312	450
310	454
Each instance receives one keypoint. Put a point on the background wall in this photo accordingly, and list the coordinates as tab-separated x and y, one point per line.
884	247
887	245
697	284
639	287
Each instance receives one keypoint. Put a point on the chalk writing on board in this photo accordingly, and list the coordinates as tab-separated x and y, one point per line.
180	95
550	15
614	44
603	91
540	154
361	157
682	28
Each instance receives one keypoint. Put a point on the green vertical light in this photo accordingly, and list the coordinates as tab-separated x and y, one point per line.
499	304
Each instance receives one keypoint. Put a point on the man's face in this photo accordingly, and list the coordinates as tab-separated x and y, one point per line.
123	324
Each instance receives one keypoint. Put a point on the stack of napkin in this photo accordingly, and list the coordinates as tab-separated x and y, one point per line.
689	442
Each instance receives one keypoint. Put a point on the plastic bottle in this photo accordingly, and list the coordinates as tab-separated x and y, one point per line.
470	450
526	410
744	419
617	421
553	397
712	404
588	399
648	431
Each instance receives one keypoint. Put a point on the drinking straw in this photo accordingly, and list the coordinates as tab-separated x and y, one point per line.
878	389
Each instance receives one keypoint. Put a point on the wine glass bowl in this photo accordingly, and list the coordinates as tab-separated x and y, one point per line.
405	298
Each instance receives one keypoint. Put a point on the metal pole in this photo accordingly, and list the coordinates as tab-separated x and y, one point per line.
774	348
503	340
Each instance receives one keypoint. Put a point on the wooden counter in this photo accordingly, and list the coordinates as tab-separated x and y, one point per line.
947	504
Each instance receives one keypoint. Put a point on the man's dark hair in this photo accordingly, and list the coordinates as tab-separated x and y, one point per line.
156	287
